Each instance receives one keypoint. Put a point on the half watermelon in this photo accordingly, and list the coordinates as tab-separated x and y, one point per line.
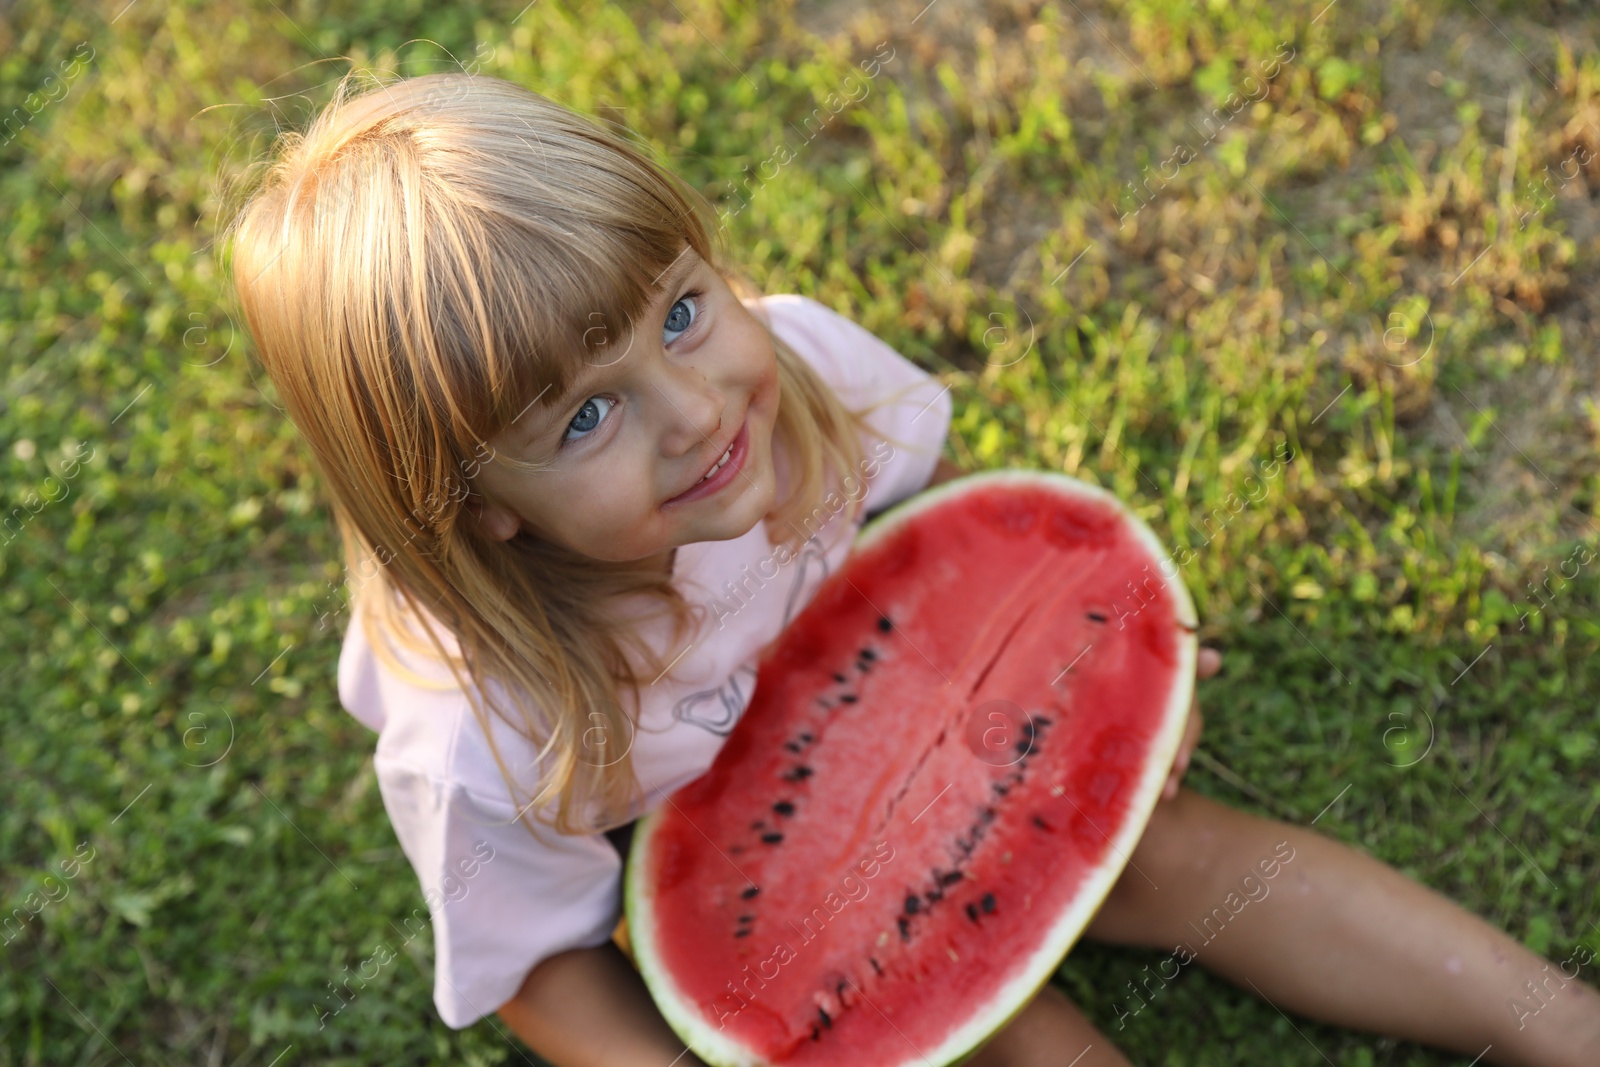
949	756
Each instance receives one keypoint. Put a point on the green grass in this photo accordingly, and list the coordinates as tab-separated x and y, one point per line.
1354	266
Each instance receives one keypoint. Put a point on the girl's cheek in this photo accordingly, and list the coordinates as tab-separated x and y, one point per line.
768	387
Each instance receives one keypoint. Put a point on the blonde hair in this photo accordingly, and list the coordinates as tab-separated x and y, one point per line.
415	269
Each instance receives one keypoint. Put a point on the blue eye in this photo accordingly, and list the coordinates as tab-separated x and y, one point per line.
588	417
678	319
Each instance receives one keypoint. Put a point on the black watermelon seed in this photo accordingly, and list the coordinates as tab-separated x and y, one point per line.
884	624
750	892
807	738
743	931
841	679
783	807
987	816
905	930
875	967
747	918
791	746
988	903
772	839
913	904
868	654
839	989
1040	823
825	1020
1096	616
1042	721
1000	787
933	896
951	879
816	1034
972	912
799	774
847	698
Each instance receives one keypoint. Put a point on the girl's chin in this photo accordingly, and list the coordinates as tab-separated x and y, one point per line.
751	509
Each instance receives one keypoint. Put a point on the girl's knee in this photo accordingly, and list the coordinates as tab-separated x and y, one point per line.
1181	834
1188	841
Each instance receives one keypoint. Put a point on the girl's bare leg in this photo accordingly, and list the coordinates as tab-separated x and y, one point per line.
1050	1032
1340	937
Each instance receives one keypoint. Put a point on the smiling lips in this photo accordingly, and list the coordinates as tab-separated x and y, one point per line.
722	472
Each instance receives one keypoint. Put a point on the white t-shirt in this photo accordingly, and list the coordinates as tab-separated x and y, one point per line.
500	901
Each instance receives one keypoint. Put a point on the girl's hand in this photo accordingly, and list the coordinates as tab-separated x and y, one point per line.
1208	663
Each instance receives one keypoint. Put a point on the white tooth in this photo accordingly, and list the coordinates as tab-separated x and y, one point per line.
719	464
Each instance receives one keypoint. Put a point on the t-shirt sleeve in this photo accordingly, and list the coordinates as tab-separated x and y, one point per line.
498	900
914	407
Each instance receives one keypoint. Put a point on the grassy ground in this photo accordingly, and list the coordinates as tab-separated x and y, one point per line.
1384	260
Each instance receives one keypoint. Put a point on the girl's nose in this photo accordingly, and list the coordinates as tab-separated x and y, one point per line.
692	413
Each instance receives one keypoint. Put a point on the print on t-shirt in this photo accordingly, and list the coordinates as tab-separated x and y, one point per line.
718	709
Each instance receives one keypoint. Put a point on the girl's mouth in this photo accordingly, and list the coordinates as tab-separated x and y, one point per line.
722	472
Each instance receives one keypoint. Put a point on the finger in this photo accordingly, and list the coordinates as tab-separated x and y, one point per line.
1209	663
1191	738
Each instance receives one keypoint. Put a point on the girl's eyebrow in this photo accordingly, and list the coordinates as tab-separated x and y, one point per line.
575	388
677	270
543	422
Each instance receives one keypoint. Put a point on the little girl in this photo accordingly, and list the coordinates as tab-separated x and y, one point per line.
584	475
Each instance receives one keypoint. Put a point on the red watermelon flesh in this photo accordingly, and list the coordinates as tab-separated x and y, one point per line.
948	758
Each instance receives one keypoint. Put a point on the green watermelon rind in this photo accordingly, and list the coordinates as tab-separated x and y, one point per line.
1010	999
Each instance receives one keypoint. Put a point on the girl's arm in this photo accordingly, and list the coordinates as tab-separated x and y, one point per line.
588	1007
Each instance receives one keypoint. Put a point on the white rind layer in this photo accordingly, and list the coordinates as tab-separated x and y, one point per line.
714	1047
